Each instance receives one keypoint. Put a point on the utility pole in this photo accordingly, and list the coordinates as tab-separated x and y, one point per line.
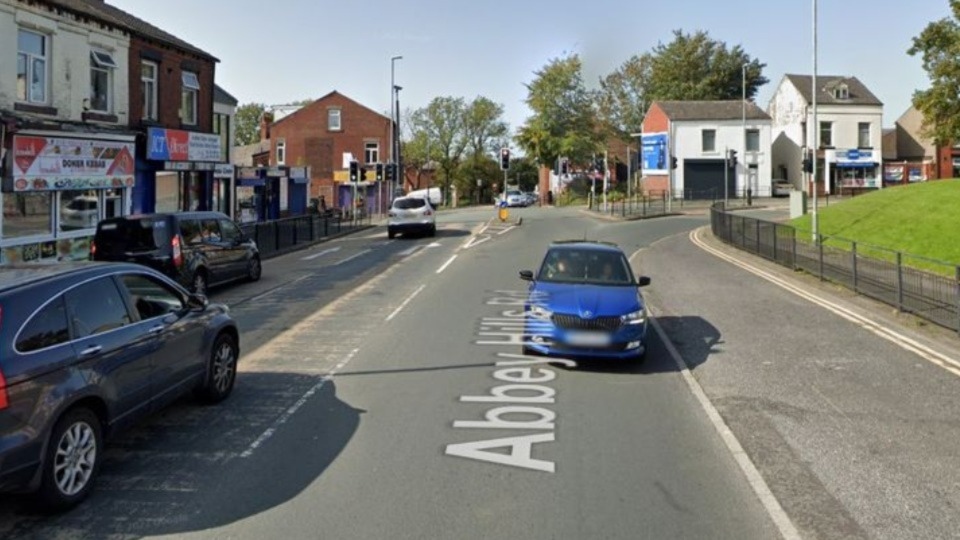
815	126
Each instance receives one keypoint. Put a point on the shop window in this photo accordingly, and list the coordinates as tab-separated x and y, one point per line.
101	81
221	126
148	85
27	214
708	140
753	140
168	192
78	210
32	57
371	152
333	119
863	134
281	152
190	89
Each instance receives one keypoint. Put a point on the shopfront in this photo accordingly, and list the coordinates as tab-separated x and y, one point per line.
56	187
852	168
177	172
249	195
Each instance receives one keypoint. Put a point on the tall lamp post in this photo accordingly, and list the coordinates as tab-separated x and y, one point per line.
393	123
743	108
814	126
396	138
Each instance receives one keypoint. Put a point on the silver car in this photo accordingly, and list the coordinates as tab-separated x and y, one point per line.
411	215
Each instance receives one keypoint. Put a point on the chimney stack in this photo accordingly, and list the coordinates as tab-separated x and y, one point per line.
265	120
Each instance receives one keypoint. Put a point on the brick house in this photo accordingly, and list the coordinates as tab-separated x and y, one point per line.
322	136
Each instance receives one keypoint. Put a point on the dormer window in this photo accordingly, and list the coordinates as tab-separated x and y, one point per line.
842	91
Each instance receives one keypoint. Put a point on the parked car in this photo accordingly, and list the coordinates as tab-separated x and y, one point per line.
80	213
411	215
584	302
197	249
88	348
782	188
530	199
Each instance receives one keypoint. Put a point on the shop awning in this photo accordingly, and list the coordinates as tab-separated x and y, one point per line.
855	165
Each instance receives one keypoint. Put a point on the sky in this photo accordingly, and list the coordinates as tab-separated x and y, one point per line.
285	50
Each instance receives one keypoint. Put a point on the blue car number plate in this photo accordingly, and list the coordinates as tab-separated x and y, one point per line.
588	339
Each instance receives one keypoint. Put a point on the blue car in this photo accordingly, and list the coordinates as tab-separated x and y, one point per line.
584	302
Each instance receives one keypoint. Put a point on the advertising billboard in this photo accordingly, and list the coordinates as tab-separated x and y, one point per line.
654	153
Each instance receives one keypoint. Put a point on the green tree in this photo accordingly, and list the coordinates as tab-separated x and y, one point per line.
563	122
419	155
939	47
247	123
484	127
442	122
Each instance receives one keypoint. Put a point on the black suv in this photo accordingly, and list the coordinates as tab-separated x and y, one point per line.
197	249
86	348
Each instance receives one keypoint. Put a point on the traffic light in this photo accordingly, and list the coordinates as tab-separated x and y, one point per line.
807	162
504	158
379	172
354	171
673	162
363	174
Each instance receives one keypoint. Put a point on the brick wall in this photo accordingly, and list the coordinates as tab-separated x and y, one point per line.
171	63
656	121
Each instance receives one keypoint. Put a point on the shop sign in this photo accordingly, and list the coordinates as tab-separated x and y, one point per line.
223	170
57	163
276	172
298	172
178	145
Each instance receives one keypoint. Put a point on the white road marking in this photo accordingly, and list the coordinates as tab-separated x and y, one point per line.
475	241
410	251
285	285
352	257
405	302
446	264
320	254
282	419
508	229
901	340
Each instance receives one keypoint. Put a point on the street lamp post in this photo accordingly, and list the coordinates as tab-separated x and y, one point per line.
393	123
814	126
743	108
396	140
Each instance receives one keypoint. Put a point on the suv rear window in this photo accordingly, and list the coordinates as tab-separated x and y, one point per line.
409	204
133	235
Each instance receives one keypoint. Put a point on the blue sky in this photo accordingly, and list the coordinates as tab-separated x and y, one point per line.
283	50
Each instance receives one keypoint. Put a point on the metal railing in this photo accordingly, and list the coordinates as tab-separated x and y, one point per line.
280	236
926	288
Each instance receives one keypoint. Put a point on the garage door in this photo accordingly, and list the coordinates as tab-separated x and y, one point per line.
703	179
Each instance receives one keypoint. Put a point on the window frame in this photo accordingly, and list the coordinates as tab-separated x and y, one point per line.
861	132
331	113
703	141
281	152
30	71
189	90
101	62
756	134
371	156
59	298
822	141
150	99
158	284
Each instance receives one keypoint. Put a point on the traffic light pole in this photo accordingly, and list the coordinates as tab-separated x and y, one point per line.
726	177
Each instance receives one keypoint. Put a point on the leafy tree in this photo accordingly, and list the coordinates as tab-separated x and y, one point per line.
564	120
939	46
419	155
690	67
442	122
483	126
247	123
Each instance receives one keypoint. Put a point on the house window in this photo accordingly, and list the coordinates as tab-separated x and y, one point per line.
101	81
863	134
841	92
281	152
753	140
188	97
148	83
32	51
709	140
333	119
371	152
221	126
826	133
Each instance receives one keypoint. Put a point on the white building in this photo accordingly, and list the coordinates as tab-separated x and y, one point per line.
700	134
849	132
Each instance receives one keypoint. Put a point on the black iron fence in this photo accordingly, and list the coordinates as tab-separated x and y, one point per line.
280	236
657	203
927	288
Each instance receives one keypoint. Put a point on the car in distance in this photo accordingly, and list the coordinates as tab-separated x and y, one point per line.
584	302
514	198
88	348
781	188
411	215
196	249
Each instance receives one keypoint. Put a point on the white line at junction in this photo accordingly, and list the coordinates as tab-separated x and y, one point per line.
352	257
320	254
405	302
446	264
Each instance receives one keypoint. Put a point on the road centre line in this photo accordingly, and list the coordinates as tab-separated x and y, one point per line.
320	254
405	302
352	257
282	419
902	341
446	264
769	501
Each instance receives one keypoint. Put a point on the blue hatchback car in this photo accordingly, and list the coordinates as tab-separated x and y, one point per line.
584	302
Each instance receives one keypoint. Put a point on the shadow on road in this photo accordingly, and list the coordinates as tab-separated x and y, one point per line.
186	470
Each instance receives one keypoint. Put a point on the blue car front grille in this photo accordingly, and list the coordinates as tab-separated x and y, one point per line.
573	322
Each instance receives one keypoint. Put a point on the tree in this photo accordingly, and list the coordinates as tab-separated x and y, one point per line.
247	123
563	121
690	67
442	123
419	155
484	127
939	46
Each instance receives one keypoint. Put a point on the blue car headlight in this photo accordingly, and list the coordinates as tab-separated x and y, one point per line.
540	312
636	317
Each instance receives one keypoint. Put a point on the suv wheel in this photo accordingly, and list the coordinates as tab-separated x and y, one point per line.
72	459
199	282
390	234
221	370
254	269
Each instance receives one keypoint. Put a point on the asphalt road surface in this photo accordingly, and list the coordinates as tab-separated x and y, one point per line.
382	394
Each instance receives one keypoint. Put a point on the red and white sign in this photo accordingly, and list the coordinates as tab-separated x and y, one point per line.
55	163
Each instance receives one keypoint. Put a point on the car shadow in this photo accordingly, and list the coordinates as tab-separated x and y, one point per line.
193	468
694	338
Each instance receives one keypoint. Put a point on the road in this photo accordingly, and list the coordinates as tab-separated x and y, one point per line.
382	395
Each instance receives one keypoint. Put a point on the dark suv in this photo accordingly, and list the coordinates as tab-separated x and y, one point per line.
197	249
86	348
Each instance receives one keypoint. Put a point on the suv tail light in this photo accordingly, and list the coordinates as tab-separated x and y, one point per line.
93	250
177	252
428	212
3	382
